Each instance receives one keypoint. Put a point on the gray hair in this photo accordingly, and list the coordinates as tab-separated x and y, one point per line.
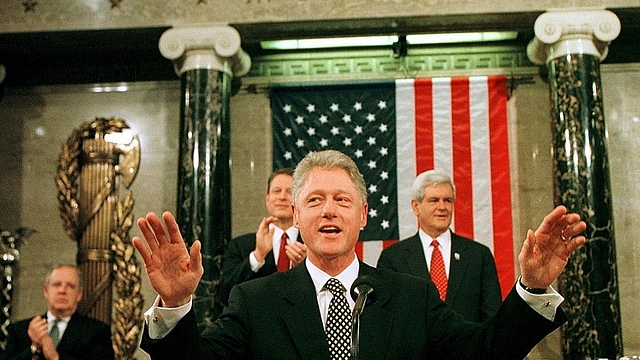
47	278
328	159
430	177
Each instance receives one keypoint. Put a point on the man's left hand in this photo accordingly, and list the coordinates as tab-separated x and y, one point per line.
546	251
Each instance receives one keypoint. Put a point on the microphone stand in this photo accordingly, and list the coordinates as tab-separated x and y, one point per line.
355	325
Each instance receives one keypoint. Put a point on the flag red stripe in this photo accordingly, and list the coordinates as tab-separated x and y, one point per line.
387	243
360	250
423	89
501	183
461	139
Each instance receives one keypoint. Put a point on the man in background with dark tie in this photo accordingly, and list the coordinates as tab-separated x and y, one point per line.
463	270
61	333
276	246
304	313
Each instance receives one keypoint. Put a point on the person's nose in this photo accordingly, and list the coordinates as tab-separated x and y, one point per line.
285	195
328	209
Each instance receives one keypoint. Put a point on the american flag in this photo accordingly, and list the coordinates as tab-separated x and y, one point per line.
396	129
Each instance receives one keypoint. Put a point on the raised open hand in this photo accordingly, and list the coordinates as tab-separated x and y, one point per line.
546	251
173	270
264	238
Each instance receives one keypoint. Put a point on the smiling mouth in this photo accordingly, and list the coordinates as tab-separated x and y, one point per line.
330	230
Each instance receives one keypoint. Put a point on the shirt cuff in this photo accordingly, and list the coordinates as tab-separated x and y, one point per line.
255	264
161	320
544	304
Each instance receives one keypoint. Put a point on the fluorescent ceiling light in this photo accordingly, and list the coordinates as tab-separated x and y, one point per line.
461	37
328	42
363	41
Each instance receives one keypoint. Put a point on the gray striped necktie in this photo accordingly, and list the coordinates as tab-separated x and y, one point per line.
55	332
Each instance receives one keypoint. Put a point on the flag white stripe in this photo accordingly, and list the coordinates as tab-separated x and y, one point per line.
442	129
480	161
406	152
371	252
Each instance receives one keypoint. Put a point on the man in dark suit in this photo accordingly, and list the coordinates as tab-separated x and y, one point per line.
255	255
472	287
61	333
284	315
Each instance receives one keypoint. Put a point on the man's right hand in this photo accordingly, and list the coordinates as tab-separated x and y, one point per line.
38	329
264	238
173	270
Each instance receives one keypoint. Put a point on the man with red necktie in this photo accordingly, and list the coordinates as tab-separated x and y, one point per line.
275	246
463	270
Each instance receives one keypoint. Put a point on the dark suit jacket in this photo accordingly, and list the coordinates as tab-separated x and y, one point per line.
236	267
85	338
473	289
277	317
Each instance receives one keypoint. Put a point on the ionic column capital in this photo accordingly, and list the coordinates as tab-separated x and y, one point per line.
562	32
205	47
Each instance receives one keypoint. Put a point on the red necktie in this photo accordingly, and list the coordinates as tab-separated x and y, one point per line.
283	260
437	272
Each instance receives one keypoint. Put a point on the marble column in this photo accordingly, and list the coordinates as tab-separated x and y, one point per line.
206	58
572	44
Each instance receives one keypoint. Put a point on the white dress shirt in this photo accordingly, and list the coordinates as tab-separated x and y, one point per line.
444	244
62	324
320	278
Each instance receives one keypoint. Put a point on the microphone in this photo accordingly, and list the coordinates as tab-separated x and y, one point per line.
362	292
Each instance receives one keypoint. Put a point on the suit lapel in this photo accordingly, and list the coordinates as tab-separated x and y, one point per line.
306	331
458	265
416	261
71	333
308	335
375	321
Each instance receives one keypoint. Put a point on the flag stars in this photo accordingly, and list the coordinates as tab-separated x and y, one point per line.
311	131
287	155
371	140
335	130
385	224
384	199
371	118
358	129
384	151
323	119
383	128
299	119
357	106
300	143
334	107
324	142
347	142
358	153
287	132
373	188
372	164
382	104
287	108
373	213
346	118
384	175
311	108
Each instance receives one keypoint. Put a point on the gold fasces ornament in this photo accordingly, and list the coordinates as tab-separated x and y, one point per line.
96	160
